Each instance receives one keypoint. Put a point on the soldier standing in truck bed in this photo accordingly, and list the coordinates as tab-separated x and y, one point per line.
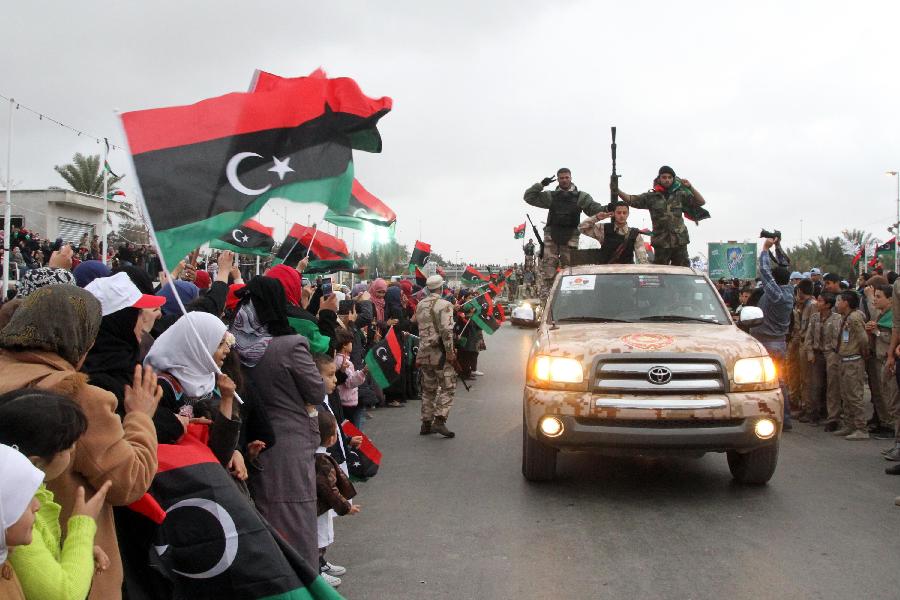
565	204
667	202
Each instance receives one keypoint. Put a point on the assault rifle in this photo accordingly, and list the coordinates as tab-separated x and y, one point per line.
614	178
537	234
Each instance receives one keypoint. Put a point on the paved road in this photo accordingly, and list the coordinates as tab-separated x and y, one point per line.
455	519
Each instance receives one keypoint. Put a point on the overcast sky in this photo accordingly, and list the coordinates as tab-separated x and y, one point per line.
776	111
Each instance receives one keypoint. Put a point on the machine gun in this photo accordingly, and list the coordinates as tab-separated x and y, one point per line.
537	234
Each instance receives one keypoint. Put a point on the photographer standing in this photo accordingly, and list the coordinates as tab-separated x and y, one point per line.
777	302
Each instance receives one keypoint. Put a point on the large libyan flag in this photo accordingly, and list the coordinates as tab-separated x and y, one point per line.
207	167
207	541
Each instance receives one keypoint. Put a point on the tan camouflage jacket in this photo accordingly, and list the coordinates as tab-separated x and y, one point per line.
667	216
435	334
802	316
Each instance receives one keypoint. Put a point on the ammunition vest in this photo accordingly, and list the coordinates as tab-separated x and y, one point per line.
564	215
612	241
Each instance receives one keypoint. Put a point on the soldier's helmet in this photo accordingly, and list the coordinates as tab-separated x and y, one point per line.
434	283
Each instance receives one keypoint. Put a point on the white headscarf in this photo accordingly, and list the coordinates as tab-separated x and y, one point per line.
188	359
19	481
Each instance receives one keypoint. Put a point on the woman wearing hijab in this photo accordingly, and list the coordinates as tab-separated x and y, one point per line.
395	315
186	358
277	362
377	291
43	346
90	270
315	330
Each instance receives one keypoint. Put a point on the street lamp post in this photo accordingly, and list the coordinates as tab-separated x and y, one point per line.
896	176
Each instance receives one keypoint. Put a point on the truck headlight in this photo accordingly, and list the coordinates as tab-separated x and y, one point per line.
755	370
525	305
558	369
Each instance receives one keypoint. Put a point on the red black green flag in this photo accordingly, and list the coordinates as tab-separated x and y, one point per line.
419	275
327	253
385	360
482	308
207	167
363	208
519	232
251	237
420	254
473	276
208	541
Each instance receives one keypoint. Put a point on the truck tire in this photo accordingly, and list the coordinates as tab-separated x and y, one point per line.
755	467
538	460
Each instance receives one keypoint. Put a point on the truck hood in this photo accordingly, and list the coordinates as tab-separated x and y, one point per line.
584	341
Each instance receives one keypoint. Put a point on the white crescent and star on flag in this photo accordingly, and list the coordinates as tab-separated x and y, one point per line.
239	236
281	166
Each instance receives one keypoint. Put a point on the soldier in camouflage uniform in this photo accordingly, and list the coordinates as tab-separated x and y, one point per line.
436	355
666	202
565	204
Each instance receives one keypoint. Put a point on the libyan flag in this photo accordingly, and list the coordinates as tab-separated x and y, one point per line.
385	360
483	313
419	254
206	168
208	541
327	253
251	237
421	279
519	232
885	253
473	276
363	208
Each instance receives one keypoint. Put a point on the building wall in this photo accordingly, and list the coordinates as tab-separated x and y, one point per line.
42	209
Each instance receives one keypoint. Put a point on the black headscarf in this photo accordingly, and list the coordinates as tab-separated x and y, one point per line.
267	295
139	277
110	363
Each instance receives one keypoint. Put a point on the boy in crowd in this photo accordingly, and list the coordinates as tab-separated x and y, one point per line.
853	349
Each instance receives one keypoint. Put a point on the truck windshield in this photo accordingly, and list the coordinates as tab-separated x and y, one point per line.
633	297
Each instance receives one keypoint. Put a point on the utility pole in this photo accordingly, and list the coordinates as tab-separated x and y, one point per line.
7	212
896	176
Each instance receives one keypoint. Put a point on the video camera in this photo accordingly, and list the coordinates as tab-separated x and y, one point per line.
780	257
764	233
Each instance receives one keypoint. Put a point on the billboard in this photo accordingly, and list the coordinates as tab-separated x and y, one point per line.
732	260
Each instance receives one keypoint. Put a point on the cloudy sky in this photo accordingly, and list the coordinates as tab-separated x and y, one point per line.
776	111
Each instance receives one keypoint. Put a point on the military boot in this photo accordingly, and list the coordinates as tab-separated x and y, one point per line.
440	426
426	428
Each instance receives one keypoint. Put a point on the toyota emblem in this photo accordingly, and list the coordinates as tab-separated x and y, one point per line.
659	375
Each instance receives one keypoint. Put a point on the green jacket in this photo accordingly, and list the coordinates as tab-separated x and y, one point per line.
535	197
667	216
51	570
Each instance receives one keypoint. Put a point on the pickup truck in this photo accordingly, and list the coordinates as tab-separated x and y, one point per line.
646	360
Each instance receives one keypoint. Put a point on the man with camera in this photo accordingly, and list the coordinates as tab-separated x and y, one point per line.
667	202
777	303
565	204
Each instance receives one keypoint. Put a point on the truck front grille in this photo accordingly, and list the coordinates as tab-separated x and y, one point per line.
669	376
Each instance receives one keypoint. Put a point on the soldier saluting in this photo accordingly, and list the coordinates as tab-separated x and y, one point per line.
565	204
669	200
619	243
436	355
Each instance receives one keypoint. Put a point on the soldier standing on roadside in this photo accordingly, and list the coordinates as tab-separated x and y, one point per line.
434	360
565	204
667	202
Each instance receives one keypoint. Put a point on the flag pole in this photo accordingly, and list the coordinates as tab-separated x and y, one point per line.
7	210
105	249
257	264
312	241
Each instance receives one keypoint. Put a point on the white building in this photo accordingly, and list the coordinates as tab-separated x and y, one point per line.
57	213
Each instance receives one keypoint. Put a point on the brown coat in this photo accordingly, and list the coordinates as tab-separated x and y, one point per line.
123	452
333	488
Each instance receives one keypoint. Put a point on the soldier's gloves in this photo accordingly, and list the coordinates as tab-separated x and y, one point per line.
547	181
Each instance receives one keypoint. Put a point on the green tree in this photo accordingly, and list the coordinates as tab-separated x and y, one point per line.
85	175
824	253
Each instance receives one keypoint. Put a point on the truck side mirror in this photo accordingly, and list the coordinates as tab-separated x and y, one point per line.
751	316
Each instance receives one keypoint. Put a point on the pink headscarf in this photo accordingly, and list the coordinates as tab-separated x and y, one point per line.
379	285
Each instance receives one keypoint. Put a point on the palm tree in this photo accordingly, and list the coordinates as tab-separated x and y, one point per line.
85	175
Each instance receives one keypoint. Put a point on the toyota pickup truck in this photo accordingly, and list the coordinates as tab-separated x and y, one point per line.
646	360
